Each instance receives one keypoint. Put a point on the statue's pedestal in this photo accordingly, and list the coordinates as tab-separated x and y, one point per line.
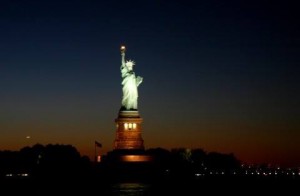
129	161
129	144
129	131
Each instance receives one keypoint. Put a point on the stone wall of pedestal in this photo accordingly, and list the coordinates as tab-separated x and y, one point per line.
129	131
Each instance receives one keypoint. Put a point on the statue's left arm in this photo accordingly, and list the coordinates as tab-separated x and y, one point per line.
139	80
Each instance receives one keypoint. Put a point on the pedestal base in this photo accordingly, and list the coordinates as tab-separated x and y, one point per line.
129	165
129	156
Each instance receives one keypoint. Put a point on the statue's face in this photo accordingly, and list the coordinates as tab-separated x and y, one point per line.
129	65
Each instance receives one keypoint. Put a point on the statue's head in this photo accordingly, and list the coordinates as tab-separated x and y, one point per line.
130	64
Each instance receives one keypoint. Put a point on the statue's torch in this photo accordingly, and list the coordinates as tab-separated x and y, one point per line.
123	49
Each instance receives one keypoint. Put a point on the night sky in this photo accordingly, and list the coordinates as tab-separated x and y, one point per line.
218	75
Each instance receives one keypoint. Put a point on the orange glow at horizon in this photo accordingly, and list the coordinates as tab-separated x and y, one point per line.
250	143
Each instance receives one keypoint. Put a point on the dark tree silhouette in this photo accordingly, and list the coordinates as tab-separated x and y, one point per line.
216	160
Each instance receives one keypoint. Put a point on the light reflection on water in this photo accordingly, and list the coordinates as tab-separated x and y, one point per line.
130	189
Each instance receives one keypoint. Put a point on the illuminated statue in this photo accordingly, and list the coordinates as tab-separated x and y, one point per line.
130	83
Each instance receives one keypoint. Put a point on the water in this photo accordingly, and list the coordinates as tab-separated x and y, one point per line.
204	187
130	189
158	186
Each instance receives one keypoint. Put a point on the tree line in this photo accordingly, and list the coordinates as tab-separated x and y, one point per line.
65	160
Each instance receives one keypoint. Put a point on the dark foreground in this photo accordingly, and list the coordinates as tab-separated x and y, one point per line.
163	185
60	170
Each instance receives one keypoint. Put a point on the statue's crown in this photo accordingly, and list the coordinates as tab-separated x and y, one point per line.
130	63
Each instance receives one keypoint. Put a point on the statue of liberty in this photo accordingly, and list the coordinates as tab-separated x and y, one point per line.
130	83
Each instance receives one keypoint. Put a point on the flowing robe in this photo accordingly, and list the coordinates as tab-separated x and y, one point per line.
130	93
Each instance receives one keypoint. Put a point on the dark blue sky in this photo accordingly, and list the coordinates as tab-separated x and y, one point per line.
218	75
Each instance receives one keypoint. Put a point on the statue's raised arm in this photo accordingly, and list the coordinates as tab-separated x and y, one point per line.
130	83
123	49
